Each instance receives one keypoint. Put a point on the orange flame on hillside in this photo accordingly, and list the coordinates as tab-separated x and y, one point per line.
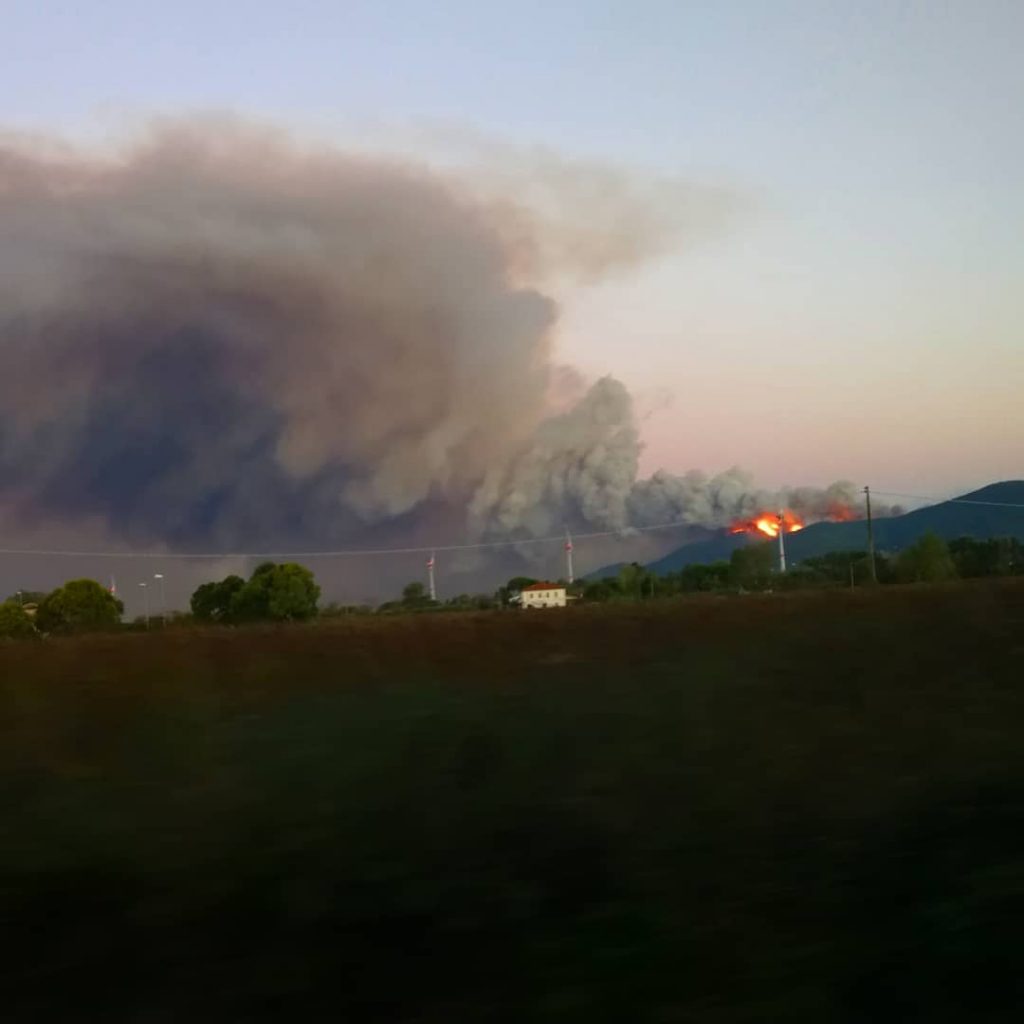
840	513
769	523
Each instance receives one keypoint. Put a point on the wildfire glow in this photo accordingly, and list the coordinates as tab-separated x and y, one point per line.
838	513
769	523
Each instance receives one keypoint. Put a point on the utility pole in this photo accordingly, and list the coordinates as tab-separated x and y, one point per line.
782	542
430	577
871	537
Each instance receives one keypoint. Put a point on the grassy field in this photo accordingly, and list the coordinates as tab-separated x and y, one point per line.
805	807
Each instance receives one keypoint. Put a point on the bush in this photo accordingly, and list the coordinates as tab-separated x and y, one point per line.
80	606
927	561
994	556
753	566
15	622
277	593
274	593
212	601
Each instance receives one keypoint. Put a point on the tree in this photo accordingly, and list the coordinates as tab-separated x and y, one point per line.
838	567
276	593
15	622
751	566
704	577
927	561
334	610
212	601
471	602
292	593
635	581
414	595
515	586
600	590
996	556
273	593
77	607
518	584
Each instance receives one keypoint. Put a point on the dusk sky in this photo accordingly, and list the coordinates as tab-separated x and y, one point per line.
861	317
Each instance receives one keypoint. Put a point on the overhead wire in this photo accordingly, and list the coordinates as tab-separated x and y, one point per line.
623	533
948	501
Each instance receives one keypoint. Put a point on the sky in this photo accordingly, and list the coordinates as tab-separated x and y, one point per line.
862	319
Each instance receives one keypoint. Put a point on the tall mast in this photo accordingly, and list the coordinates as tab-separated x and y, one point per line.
782	542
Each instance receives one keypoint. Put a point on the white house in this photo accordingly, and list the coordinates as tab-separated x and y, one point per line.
543	595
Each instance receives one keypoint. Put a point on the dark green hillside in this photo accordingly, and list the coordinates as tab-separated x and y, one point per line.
949	519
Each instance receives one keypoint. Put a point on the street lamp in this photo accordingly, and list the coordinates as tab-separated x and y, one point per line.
145	595
163	598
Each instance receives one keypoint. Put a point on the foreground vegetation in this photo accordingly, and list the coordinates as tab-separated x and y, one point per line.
763	808
289	592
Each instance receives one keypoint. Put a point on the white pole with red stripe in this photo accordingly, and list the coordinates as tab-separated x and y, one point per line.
782	541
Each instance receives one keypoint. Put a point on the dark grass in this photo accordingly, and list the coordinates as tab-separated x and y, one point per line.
800	807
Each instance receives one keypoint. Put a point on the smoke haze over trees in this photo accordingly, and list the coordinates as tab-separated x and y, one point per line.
219	337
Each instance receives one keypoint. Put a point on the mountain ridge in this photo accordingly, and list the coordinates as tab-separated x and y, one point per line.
995	510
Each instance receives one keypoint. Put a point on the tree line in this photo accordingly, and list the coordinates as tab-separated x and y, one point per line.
754	568
751	568
273	593
289	592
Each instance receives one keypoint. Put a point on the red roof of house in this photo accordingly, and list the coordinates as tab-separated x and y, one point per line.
544	586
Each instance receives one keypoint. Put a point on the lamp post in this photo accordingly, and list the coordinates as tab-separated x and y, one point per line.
163	598
145	596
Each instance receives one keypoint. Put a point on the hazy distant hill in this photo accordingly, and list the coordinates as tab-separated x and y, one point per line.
948	519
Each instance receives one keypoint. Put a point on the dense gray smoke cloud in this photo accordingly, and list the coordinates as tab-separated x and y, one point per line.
220	335
219	338
582	466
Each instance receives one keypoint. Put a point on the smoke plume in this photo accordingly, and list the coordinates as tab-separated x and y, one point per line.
581	466
220	337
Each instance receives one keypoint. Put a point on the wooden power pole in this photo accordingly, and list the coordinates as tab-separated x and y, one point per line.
871	537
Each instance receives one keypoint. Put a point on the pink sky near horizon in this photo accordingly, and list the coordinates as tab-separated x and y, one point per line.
905	371
864	320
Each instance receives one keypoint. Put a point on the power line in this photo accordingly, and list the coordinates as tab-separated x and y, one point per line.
948	501
624	533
